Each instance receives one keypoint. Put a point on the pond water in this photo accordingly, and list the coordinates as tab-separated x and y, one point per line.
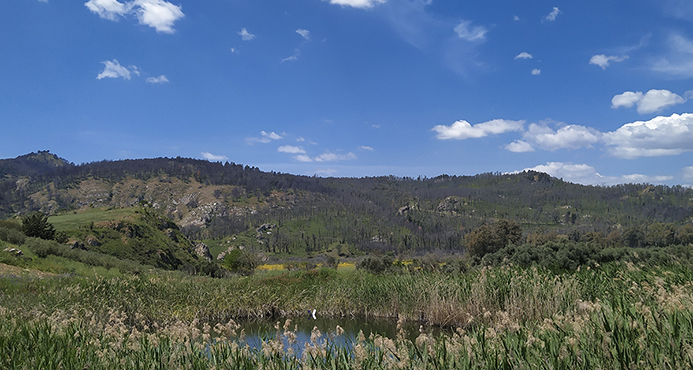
257	331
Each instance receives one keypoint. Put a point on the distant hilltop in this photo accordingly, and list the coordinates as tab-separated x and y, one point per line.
218	200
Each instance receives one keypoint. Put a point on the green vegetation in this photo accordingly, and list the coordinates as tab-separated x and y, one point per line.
524	270
613	316
36	225
76	220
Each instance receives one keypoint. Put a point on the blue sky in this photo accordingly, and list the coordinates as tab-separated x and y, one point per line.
594	92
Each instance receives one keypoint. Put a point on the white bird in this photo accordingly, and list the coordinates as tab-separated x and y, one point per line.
312	313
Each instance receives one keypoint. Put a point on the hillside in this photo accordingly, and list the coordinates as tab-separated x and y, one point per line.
228	204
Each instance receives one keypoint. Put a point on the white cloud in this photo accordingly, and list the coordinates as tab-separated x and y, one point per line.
659	136
303	158
364	147
552	16
108	9
113	69
576	173
272	135
292	58
158	14
461	130
211	157
566	137
652	101
519	146
357	3
516	18
536	72
265	137
245	35
588	175
291	149
524	55
477	33
157	80
603	60
304	33
330	157
627	99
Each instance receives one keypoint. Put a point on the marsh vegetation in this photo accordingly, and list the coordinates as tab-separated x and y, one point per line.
618	315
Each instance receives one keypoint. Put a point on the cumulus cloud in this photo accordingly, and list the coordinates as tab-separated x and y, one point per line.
552	16
157	80
245	35
627	99
576	173
291	149
357	3
659	136
158	14
652	101
108	9
462	129
519	146
330	157
536	72
304	33
113	69
211	157
524	55
588	175
473	34
603	60
566	137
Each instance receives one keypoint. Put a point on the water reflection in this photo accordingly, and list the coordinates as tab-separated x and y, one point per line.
257	331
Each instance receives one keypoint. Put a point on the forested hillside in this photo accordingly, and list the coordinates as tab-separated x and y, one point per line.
230	203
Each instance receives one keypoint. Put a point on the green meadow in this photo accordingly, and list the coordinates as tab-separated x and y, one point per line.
618	315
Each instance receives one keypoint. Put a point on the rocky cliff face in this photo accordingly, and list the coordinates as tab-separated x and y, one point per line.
188	203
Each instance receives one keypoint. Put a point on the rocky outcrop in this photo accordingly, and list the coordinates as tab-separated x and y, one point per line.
265	227
91	240
14	251
202	250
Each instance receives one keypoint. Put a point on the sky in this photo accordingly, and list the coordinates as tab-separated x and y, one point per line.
593	92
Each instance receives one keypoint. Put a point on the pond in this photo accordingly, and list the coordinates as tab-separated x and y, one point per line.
258	330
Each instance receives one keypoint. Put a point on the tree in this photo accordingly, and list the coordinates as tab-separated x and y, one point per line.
491	238
36	225
241	261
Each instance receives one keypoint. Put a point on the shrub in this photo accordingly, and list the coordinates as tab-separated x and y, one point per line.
12	236
376	265
241	261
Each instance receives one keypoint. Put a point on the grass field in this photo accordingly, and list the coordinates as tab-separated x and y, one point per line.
82	218
613	316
